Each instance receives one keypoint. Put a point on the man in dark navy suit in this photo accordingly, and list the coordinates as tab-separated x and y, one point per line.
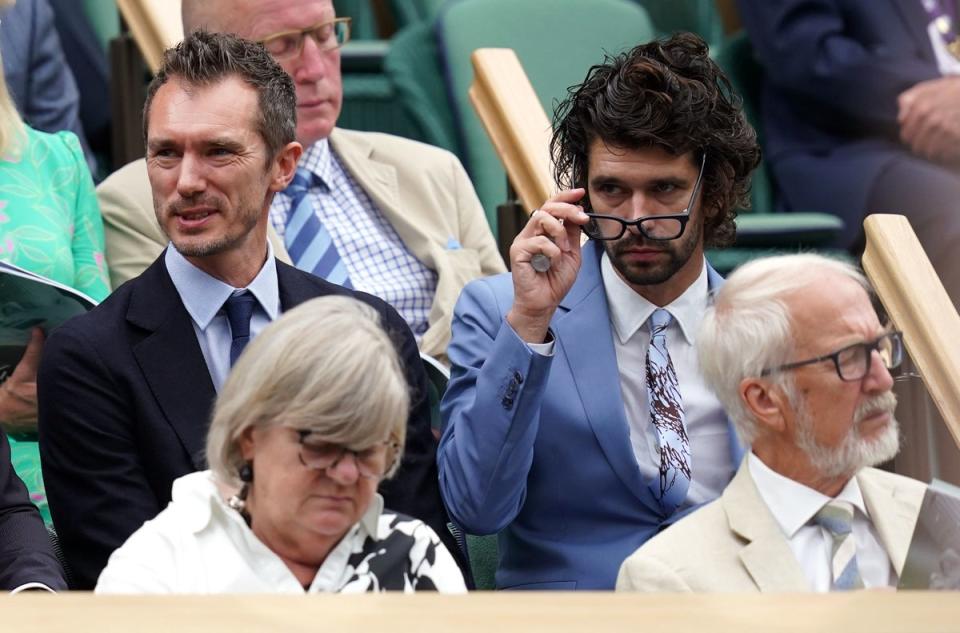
861	108
26	557
126	390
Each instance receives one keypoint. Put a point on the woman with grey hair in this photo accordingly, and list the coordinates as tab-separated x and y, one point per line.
310	420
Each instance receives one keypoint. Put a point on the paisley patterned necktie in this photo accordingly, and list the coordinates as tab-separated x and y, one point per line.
666	414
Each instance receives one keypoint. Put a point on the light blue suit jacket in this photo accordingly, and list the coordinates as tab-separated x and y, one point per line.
537	448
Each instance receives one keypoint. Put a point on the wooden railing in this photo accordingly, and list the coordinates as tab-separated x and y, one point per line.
917	303
155	25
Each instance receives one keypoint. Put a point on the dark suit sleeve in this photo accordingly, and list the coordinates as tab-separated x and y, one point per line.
26	555
96	487
809	53
415	490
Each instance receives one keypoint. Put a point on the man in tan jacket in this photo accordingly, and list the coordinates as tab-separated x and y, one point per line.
403	216
804	375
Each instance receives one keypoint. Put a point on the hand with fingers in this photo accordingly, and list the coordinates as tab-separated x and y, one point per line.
553	231
18	393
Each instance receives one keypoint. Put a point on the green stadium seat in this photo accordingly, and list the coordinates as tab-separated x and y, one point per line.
414	71
586	31
698	16
761	230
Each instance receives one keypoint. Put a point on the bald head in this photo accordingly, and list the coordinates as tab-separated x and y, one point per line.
315	70
211	15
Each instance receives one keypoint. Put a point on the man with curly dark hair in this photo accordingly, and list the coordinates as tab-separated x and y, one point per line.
577	424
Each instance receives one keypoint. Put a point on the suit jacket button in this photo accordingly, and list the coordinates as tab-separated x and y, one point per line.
517	378
507	402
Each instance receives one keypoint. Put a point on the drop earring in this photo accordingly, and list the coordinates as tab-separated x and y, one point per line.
239	501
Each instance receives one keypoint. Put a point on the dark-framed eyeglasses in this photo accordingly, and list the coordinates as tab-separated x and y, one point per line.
660	228
372	463
289	44
853	361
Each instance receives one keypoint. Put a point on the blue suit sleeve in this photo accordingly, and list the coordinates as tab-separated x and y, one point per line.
491	414
809	51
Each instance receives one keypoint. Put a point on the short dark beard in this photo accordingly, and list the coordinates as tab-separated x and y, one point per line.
678	252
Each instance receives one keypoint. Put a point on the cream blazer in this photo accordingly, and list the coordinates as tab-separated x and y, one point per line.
735	545
423	191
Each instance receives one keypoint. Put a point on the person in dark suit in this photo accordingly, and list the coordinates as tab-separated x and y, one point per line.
37	72
126	390
26	556
860	108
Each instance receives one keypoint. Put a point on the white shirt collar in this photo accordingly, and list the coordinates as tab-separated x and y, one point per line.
629	310
203	295
318	160
793	504
199	495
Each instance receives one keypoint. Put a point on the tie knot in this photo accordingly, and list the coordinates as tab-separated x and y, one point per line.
659	321
239	309
302	181
836	517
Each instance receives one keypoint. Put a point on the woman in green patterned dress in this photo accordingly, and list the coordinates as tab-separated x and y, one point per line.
49	224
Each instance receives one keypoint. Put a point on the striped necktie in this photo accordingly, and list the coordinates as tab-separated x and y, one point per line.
836	517
666	414
308	242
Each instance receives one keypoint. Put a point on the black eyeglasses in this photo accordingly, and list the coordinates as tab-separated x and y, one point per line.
853	362
289	44
372	463
659	228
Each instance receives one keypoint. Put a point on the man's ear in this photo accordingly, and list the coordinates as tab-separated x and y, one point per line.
285	165
766	401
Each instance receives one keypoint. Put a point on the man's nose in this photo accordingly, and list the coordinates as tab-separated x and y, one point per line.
313	62
191	179
878	379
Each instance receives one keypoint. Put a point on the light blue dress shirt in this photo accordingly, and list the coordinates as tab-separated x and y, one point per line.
203	296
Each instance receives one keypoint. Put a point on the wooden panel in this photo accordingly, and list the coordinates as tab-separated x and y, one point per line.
155	25
510	111
918	305
851	612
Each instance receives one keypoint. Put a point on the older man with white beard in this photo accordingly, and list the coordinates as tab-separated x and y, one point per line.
794	350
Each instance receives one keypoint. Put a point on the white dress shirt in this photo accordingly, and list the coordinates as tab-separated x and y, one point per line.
711	462
203	296
198	544
794	506
377	260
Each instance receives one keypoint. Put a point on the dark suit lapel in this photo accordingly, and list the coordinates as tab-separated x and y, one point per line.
297	286
170	358
585	338
916	21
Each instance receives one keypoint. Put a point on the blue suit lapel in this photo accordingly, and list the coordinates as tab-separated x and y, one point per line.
585	339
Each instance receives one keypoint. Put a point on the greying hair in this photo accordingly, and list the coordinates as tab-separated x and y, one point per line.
204	58
749	327
326	366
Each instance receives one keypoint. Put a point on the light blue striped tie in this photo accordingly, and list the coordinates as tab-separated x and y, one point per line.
836	517
666	414
308	242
